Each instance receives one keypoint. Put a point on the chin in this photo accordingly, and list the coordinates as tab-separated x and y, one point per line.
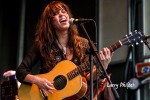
66	26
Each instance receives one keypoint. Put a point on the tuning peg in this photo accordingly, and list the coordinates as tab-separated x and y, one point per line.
132	45
137	43
130	33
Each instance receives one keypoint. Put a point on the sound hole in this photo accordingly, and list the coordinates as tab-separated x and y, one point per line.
60	82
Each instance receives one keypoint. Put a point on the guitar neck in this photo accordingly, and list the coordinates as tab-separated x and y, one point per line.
85	67
115	46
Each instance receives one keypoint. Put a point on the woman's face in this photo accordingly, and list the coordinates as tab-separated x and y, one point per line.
60	20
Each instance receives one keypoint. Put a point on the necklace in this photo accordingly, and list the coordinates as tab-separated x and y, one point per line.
64	49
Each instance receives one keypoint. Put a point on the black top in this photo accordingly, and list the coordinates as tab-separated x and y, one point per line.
34	56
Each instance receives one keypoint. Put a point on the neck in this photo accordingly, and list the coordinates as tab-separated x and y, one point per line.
63	38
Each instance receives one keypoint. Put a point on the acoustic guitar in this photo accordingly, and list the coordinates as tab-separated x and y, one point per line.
68	82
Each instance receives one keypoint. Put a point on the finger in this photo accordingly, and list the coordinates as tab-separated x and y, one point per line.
50	91
48	87
50	83
102	57
107	53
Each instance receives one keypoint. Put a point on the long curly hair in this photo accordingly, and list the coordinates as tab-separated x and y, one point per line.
45	34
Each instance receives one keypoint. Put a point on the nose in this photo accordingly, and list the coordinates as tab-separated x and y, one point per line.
60	13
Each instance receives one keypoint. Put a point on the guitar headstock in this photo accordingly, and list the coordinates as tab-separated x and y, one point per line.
134	37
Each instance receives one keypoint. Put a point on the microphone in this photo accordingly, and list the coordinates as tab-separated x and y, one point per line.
80	20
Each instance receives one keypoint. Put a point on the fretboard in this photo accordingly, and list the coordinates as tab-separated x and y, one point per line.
78	70
85	66
115	46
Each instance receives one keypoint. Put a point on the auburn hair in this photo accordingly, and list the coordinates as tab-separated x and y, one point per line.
45	34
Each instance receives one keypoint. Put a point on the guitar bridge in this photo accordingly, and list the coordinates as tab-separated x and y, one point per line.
44	94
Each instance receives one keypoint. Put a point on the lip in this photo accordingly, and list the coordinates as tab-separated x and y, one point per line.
63	21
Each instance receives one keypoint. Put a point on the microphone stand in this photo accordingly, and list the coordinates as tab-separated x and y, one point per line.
95	52
146	43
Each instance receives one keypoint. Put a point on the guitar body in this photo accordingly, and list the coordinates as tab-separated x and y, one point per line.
101	88
74	88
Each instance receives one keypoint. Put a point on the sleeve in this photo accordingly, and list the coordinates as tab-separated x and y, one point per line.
26	65
84	44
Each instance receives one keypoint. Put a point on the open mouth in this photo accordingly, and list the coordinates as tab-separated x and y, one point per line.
63	21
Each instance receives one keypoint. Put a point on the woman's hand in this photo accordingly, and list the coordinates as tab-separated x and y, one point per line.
105	57
44	84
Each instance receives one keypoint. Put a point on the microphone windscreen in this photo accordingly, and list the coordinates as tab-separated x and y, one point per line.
71	21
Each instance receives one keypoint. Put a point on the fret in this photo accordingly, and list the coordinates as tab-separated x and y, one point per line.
77	71
73	74
115	46
69	76
80	69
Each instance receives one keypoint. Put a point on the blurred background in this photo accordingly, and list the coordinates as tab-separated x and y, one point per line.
114	18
